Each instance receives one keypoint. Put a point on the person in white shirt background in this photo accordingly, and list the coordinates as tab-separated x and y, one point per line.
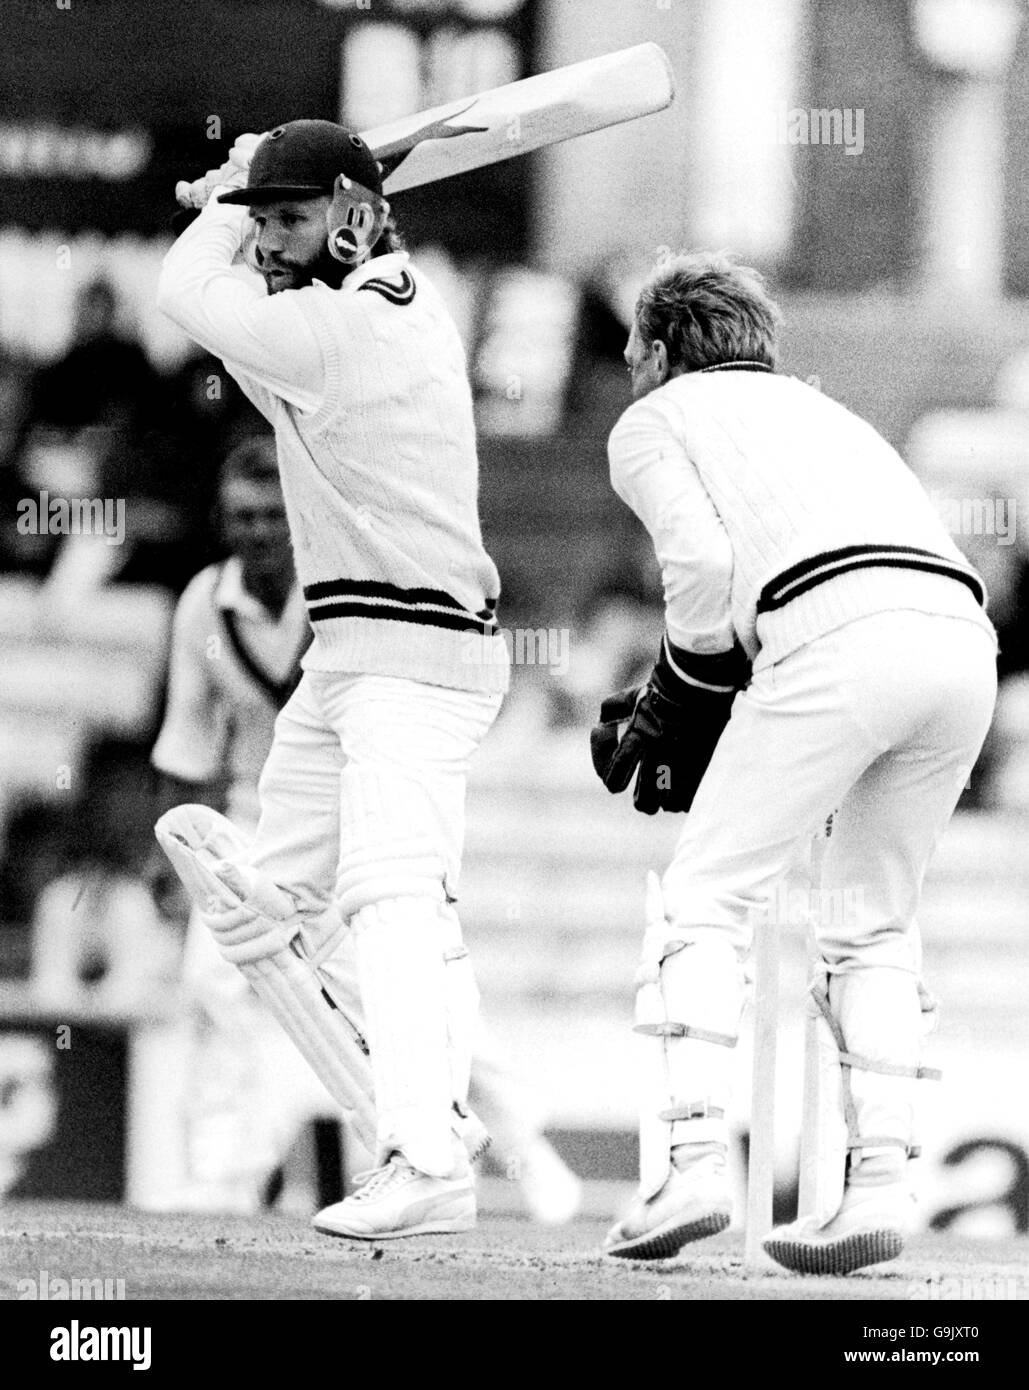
239	631
354	868
826	650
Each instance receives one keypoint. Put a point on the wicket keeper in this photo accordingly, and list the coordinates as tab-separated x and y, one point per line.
826	650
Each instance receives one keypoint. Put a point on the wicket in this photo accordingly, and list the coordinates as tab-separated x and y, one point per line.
761	1147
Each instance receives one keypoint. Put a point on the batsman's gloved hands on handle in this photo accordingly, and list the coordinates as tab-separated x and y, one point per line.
232	174
666	731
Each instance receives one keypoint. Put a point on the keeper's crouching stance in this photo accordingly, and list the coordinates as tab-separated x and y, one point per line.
788	528
350	353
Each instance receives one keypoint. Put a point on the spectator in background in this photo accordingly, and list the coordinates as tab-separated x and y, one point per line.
617	628
206	416
104	378
34	851
99	423
239	632
89	407
96	937
1005	571
596	389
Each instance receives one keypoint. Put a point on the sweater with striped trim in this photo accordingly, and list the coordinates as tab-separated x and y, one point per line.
779	516
367	390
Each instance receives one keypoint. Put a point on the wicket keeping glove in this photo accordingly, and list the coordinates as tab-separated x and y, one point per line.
666	731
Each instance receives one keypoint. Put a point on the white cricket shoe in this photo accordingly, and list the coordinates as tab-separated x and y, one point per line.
552	1192
874	1220
693	1203
398	1200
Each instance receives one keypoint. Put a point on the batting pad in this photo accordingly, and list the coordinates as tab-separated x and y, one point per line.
401	947
257	928
688	1003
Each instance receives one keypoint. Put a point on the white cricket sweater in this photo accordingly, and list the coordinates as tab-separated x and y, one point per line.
778	515
367	390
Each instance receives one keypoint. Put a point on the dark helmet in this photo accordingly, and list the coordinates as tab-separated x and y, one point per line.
303	159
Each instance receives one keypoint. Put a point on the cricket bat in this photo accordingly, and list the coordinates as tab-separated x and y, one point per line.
520	117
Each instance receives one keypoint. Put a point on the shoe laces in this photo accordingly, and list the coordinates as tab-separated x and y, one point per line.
376	1182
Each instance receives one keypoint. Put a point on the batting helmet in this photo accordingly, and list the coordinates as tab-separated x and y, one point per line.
311	159
303	159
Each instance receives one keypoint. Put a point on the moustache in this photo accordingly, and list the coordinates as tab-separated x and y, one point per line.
272	262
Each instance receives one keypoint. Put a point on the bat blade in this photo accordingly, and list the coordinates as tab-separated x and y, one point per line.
522	116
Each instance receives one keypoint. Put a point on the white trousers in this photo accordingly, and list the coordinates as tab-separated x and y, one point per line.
358	757
363	800
880	722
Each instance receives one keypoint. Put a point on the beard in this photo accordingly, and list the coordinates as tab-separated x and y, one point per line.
282	275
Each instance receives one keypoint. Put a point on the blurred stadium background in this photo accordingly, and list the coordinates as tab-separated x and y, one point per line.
871	156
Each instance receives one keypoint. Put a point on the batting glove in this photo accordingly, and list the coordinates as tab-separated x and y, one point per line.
666	731
198	193
242	152
232	174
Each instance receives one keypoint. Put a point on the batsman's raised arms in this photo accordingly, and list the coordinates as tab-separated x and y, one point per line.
522	116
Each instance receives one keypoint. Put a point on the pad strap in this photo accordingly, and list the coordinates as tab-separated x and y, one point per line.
668	1029
852	1059
849	1060
696	1110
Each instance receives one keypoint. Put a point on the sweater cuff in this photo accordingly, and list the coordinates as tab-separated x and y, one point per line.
720	672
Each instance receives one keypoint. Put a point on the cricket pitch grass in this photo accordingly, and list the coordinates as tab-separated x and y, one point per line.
280	1257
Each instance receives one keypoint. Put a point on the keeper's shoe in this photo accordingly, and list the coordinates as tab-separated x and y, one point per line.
694	1203
874	1220
398	1200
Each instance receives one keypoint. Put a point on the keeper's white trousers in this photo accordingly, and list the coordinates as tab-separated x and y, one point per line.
365	757
880	722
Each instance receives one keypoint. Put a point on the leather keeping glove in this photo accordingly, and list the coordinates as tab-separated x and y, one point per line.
666	731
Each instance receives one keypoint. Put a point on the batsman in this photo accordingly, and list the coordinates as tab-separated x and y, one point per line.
826	650
349	352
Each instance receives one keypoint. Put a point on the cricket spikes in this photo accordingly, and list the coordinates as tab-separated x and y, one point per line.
693	1203
870	1228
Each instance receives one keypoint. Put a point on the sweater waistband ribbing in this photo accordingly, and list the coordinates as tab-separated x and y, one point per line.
818	569
373	598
